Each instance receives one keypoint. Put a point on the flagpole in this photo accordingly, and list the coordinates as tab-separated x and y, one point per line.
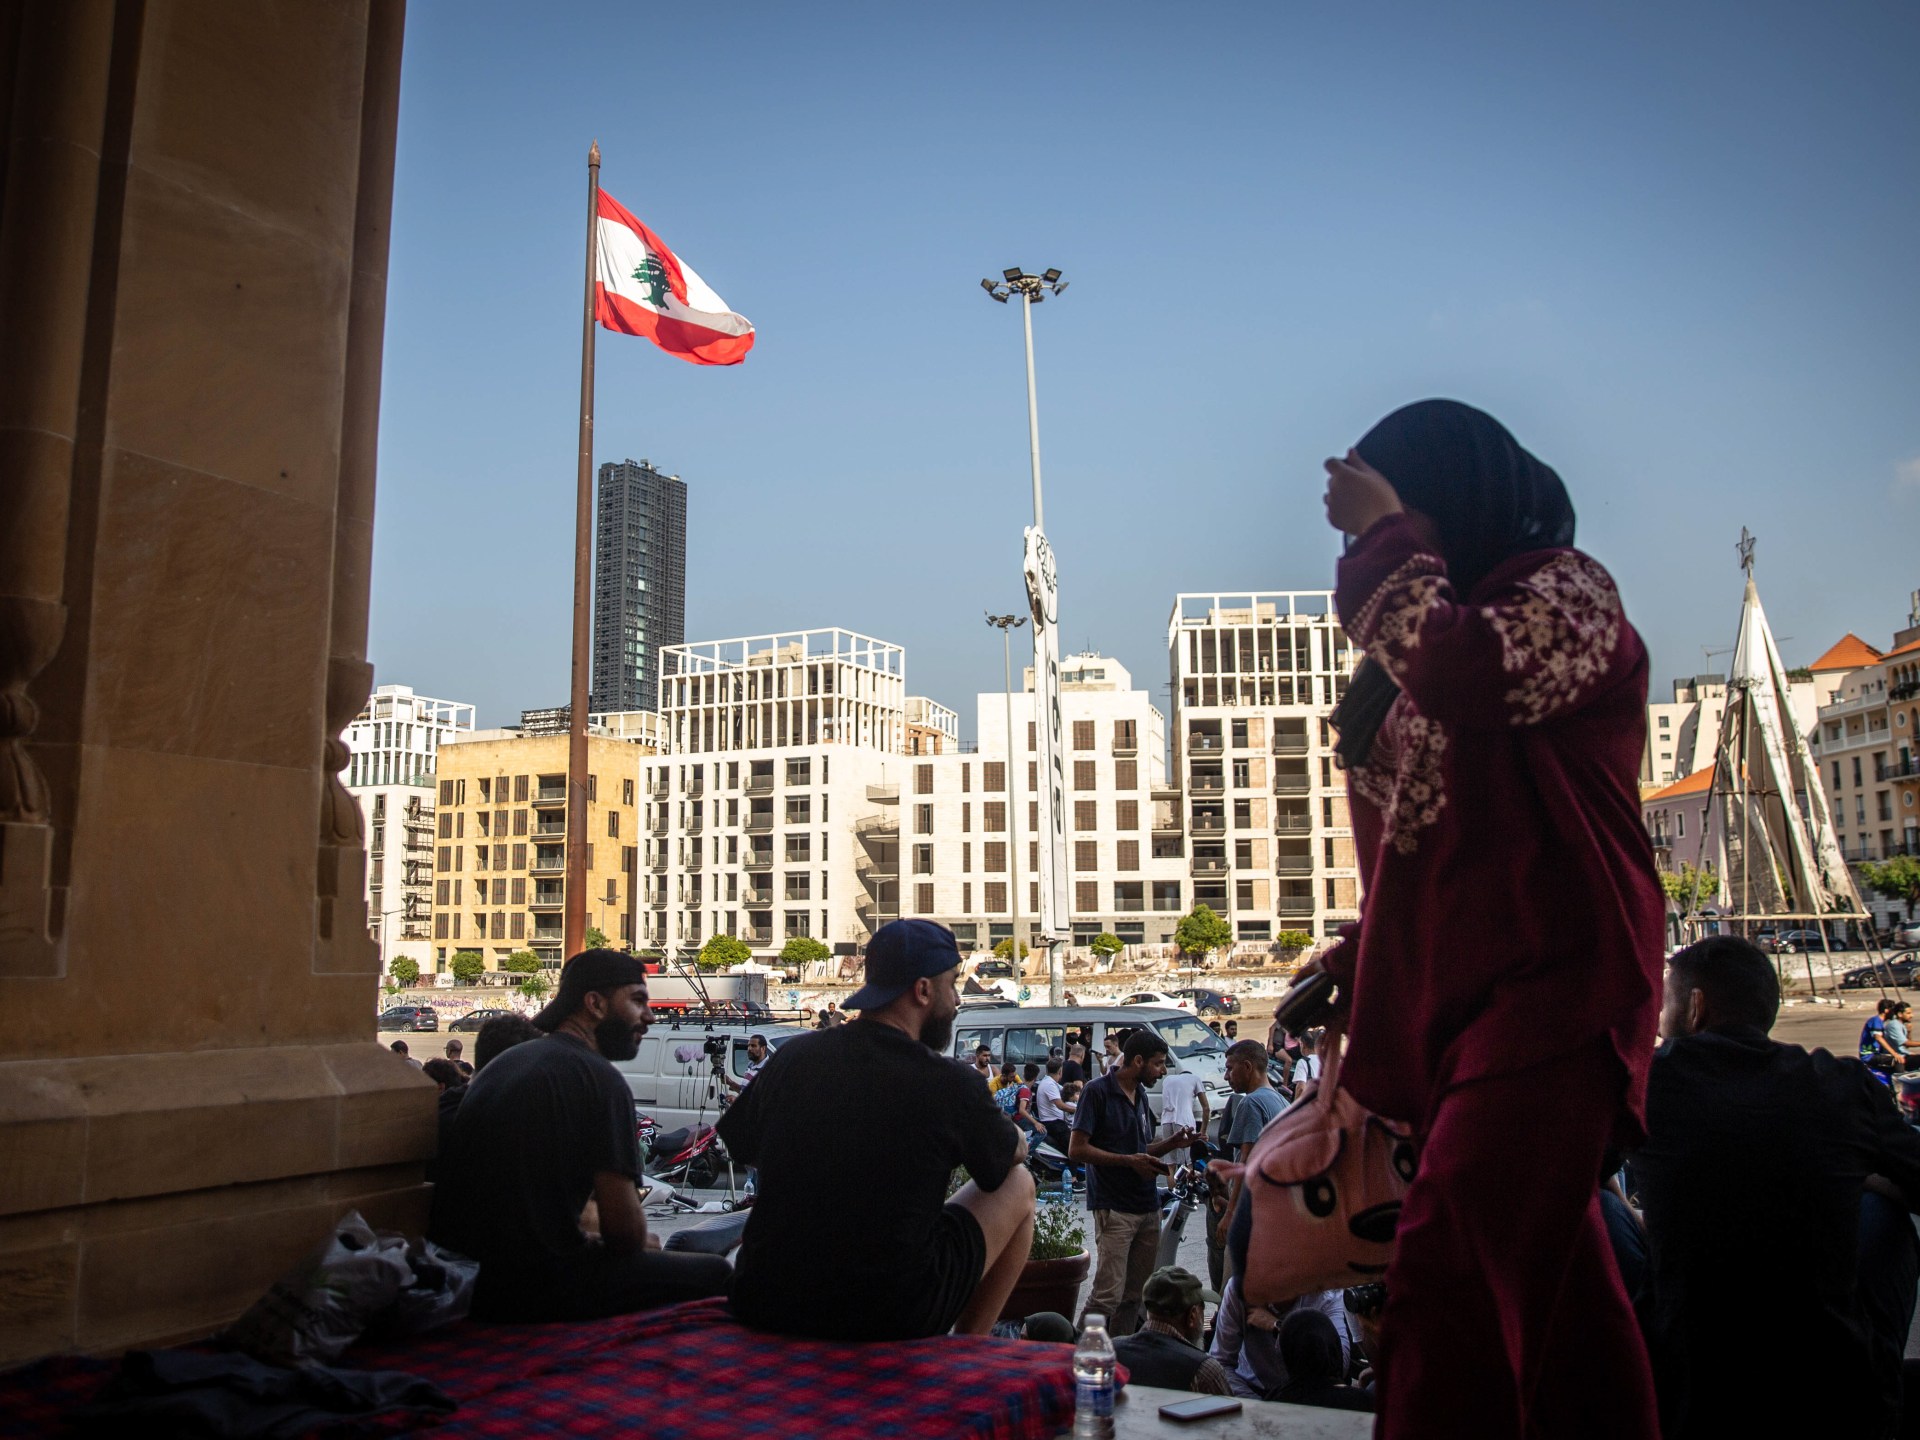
575	933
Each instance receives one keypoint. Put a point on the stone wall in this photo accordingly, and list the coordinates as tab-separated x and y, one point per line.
193	243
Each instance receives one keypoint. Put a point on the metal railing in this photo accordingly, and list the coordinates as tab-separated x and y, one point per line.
1291	784
1290	745
759	785
1293	865
1292	824
759	824
1897	769
1204	742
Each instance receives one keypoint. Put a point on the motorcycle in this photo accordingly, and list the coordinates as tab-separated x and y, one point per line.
1186	1194
691	1155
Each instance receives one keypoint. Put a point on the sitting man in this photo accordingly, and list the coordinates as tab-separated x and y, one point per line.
1754	1179
545	1127
1165	1350
856	1131
1316	1364
1246	1341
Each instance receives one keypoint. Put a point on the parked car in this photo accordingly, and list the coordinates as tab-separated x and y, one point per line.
670	1073
1796	940
1906	933
1160	998
409	1017
474	1019
1896	970
994	969
1209	1004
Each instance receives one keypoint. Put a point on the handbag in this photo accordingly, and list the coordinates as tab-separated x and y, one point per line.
1322	1189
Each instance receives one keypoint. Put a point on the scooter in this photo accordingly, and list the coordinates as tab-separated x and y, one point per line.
1187	1193
1051	1170
691	1155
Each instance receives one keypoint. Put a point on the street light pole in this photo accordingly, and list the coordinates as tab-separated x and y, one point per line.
1006	624
1030	289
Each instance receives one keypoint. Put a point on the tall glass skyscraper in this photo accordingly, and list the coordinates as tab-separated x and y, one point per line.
639	582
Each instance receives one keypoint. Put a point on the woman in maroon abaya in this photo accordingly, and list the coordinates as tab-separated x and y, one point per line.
1503	981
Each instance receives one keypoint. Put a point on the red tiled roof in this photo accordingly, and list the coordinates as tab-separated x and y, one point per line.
1698	783
1849	653
1911	647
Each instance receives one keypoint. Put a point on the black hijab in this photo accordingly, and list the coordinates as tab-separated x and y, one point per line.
1490	499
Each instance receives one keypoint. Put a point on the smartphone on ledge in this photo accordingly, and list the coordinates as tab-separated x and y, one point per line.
1201	1408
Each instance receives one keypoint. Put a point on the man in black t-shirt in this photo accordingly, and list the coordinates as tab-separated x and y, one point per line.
856	1131
543	1128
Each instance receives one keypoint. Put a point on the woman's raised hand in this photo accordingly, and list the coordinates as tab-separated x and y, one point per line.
1357	495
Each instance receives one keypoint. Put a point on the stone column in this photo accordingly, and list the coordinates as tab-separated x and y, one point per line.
192	277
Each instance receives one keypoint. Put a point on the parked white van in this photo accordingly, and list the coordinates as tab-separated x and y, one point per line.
672	1078
1025	1034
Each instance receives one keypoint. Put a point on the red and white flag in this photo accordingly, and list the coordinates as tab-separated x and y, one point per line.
642	288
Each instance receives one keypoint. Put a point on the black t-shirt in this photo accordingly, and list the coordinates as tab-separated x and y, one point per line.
1072	1072
519	1157
1750	1178
856	1131
1120	1126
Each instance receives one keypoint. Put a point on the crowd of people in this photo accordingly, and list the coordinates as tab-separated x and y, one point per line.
1596	1240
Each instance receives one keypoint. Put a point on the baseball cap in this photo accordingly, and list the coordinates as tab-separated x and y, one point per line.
1173	1289
901	952
589	970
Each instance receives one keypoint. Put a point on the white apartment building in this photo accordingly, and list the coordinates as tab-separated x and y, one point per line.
1682	732
392	747
961	852
1255	787
774	810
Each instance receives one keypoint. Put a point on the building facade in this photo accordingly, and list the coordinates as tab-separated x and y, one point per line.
775	810
1255	786
639	581
393	750
500	843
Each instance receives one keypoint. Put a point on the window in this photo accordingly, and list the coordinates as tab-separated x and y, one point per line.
626	792
923	861
1032	737
1086	815
1086	856
1123	736
797	922
440	861
1242	770
1033	775
1126	815
996	897
1856	770
1127	855
1166	897
966	858
1083	775
519	788
1126	774
593	787
799	809
520	891
1083	734
966	898
1243	854
519	822
1665	721
966	816
1242	814
994	857
1243	895
460	817
799	846
993	817
800	772
923	899
520	857
440	921
440	892
613	824
446	821
1086	896
923	819
799	883
499	857
993	777
1031	1047
966	777
1239	734
1680	825
923	779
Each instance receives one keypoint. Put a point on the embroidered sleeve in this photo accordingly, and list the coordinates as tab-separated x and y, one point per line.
1540	646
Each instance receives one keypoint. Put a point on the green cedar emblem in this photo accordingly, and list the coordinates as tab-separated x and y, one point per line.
653	275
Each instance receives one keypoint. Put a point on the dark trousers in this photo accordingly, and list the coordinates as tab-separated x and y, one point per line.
598	1283
1889	1276
1059	1135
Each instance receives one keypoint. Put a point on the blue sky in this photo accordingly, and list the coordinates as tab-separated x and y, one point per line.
1672	246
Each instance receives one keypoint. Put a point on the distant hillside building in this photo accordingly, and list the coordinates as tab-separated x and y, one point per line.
639	582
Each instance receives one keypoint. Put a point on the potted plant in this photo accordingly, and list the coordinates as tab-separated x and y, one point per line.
1057	1263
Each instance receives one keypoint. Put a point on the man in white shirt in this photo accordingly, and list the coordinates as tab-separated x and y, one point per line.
1307	1067
1183	1106
1054	1116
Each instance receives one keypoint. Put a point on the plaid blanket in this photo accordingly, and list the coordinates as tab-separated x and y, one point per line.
690	1372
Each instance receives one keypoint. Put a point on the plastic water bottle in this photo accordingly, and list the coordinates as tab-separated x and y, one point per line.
1093	1382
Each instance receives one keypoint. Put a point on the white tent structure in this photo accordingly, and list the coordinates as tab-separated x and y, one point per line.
1769	831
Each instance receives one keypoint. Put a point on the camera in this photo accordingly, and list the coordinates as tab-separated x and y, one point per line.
716	1048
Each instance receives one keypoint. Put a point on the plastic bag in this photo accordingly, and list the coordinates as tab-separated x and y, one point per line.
440	1292
313	1314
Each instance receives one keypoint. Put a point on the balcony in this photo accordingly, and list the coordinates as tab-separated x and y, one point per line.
546	796
757	937
1126	748
695	824
876	826
1209	825
883	794
1129	907
549	867
550	828
660	789
1197	742
696	787
1209	867
1164	791
1292	824
759	784
757	899
1293	865
657	825
760	822
1293	905
659	862
548	899
759	860
1289	744
1208	784
1291	785
1898	771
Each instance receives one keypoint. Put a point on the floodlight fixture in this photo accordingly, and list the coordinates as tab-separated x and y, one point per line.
1061	286
1011	275
987	285
1051	276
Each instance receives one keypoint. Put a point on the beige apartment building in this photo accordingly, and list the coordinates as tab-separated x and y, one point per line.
1254	783
500	843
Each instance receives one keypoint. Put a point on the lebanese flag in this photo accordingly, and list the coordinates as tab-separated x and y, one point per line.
642	288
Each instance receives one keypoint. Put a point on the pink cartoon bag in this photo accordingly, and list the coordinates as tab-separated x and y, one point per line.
1323	1189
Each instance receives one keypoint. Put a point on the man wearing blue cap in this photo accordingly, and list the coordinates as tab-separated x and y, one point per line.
856	1132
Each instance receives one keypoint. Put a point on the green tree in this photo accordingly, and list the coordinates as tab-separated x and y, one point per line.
467	966
802	949
1005	948
1106	943
1897	879
1690	887
521	962
722	951
1201	932
594	939
1293	939
535	986
405	969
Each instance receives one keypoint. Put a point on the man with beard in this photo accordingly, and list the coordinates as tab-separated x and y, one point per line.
880	1098
545	1127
